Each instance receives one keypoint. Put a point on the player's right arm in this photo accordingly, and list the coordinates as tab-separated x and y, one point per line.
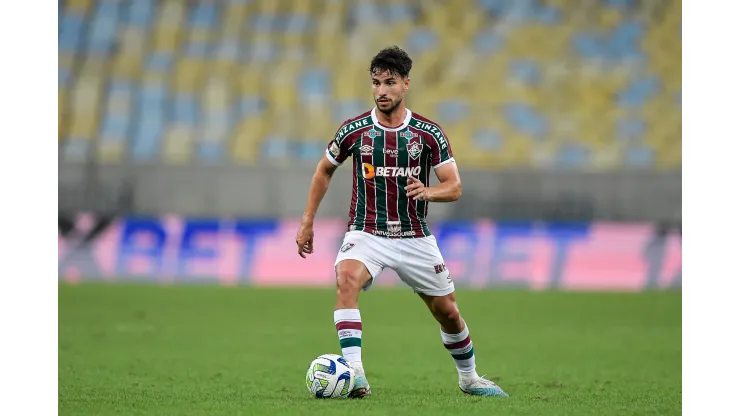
336	153
317	190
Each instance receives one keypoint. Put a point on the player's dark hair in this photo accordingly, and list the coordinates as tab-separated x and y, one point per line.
392	59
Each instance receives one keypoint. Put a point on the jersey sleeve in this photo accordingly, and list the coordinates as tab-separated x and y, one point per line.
337	151
441	150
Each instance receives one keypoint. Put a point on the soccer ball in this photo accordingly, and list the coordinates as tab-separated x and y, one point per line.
330	376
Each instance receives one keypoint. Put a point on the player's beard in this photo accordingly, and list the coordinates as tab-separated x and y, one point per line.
391	108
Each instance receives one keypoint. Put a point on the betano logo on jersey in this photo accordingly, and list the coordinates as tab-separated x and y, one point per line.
369	171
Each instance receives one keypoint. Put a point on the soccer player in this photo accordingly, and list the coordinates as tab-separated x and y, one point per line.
393	151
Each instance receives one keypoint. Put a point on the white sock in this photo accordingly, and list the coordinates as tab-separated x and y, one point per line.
349	330
461	348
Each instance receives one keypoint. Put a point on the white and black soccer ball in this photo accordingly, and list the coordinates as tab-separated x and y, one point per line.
330	377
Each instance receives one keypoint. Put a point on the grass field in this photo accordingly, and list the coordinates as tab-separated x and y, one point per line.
129	350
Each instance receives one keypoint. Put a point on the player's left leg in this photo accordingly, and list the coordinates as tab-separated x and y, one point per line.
456	339
423	269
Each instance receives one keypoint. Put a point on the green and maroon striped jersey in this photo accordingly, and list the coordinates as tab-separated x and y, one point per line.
383	159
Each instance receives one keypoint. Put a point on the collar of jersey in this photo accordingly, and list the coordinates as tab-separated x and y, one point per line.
401	127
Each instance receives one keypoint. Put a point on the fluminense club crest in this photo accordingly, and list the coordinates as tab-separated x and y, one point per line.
414	149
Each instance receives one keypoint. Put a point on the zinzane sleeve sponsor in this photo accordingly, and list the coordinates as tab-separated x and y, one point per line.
337	151
440	146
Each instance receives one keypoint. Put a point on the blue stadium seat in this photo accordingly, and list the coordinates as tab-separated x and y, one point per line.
309	151
549	15
631	128
623	5
297	23
639	91
141	13
488	139
516	11
624	41
275	147
526	119
587	45
346	109
314	83
185	109
228	49
116	123
70	32
397	13
496	7
209	152
104	28
639	156
204	15
452	111
74	149
488	42
64	76
526	71
365	12
159	62
263	52
421	40
115	126
571	155
263	23
250	105
196	49
145	144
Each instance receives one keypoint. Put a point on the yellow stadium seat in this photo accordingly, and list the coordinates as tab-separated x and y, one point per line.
172	14
188	74
85	100
111	152
166	39
62	108
246	142
78	6
178	145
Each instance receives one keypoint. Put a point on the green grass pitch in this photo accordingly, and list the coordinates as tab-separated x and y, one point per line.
201	350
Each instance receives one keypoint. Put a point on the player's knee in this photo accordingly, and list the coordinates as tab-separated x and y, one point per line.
348	279
446	310
453	314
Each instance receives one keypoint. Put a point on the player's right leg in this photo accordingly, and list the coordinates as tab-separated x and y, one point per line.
352	275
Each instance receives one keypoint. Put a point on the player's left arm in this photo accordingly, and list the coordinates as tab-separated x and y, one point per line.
448	189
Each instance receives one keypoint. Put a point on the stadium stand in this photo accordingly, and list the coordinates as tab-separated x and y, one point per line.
591	85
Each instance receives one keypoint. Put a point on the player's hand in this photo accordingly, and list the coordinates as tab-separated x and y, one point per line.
304	239
416	189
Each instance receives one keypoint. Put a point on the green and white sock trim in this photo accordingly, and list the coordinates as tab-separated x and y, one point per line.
349	330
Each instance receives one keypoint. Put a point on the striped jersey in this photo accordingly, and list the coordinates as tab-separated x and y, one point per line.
383	159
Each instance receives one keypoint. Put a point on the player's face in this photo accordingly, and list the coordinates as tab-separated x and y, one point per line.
388	90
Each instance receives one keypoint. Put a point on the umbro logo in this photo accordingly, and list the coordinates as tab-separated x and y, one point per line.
366	150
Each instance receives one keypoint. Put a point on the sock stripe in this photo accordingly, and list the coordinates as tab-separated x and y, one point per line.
348	325
350	342
464	356
458	345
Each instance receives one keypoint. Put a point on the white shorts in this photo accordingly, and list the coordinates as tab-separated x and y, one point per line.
417	261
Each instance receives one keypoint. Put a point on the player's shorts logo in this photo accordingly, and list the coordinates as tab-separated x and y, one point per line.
439	268
414	149
345	248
